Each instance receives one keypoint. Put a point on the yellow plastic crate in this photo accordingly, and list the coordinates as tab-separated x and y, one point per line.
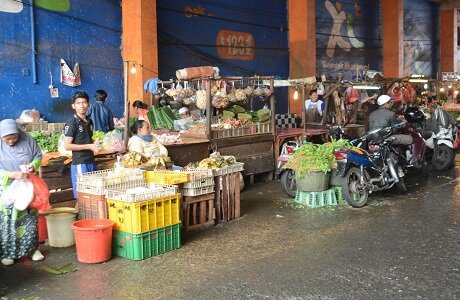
166	177
139	217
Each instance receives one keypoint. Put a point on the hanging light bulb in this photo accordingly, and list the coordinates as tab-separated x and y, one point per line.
133	69
425	86
296	94
441	90
450	86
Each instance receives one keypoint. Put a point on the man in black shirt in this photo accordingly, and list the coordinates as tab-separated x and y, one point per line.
78	132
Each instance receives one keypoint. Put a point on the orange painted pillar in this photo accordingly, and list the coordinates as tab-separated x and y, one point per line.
140	47
302	45
448	44
393	37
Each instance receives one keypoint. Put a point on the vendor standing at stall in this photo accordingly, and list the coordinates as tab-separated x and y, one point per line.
314	108
100	113
141	109
78	133
144	142
18	229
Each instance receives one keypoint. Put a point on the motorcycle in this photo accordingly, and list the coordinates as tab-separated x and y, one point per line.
443	146
287	176
364	172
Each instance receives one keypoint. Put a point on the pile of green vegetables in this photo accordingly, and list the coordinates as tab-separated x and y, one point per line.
47	141
238	112
161	117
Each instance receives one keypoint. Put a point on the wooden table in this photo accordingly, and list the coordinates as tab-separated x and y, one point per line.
284	133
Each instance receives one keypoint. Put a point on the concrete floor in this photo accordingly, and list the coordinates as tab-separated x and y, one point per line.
398	247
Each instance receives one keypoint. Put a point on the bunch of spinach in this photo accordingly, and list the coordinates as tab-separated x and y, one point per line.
47	141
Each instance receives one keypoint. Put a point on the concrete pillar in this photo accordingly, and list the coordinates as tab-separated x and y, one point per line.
448	37
140	48
302	45
393	37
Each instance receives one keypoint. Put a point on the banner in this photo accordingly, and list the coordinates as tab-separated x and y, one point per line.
69	77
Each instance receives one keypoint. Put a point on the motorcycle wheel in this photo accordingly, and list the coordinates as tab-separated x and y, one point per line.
442	157
288	183
356	198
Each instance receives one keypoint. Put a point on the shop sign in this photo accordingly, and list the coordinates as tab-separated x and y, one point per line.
69	77
450	76
235	45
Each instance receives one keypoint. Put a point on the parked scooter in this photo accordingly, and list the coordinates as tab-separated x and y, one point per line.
364	172
443	146
287	176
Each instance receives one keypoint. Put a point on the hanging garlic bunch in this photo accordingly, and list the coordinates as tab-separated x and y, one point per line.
240	95
201	99
248	90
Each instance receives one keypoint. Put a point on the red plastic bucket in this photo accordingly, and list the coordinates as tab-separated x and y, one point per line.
93	239
42	229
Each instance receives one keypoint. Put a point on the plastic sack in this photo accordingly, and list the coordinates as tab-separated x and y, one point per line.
19	194
113	142
41	193
29	115
61	147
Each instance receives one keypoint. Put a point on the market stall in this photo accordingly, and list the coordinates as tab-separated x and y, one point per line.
231	115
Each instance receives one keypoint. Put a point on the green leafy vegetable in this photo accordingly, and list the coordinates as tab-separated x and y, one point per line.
98	135
48	142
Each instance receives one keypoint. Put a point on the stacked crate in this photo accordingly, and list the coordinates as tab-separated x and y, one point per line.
147	220
199	199
92	188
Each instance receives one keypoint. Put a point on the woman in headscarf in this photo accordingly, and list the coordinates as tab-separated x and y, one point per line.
144	142
18	229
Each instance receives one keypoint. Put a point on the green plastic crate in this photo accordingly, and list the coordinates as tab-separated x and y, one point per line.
147	244
316	199
339	194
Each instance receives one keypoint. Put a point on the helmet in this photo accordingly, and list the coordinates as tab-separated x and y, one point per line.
414	115
383	99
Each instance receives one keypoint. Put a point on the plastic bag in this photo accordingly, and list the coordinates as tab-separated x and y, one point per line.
20	193
29	115
61	147
113	142
41	193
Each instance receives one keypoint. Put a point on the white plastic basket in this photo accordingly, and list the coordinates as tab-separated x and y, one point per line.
198	191
236	167
152	191
196	174
199	183
98	190
106	178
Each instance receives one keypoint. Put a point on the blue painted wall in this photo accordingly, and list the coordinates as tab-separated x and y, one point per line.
421	38
88	33
347	37
187	40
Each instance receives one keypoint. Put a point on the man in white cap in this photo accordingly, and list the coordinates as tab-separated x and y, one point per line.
184	113
384	117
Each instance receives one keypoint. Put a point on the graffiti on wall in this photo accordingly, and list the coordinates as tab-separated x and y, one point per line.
16	6
347	38
78	31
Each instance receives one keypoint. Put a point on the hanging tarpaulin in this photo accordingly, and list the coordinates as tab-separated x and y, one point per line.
69	77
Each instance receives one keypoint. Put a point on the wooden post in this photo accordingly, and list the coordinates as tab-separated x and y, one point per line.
126	104
208	109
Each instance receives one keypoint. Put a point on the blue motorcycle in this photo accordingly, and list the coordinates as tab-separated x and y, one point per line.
374	169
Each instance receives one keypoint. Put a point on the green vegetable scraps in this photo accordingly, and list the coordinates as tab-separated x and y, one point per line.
98	135
68	268
47	142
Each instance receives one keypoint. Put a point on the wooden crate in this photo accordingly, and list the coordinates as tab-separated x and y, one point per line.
199	211
227	197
